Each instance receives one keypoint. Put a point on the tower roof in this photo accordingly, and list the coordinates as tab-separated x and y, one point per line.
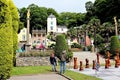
51	16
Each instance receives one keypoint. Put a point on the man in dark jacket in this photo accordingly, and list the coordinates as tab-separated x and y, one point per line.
63	62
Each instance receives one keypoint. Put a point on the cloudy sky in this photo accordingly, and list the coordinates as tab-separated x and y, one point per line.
58	5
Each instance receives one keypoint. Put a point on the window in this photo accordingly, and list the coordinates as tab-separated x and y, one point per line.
34	35
34	41
23	31
51	27
61	29
43	35
51	23
23	37
39	35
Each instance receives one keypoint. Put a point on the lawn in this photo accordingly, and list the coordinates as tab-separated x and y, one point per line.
47	69
31	70
79	76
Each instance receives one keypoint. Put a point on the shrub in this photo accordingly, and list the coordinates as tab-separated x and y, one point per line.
99	41
75	45
87	48
69	55
60	46
6	40
36	54
52	46
114	45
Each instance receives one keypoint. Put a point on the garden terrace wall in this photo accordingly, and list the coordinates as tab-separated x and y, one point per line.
32	61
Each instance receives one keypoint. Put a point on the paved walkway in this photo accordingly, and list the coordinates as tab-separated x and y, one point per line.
106	74
82	55
52	76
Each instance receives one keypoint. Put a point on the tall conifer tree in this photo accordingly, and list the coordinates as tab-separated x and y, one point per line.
6	40
15	20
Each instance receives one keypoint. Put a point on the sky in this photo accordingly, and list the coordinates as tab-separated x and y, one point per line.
57	5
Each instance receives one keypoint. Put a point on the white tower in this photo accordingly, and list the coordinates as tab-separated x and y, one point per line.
51	24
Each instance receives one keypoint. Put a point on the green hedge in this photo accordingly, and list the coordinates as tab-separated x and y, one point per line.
76	45
6	40
62	45
114	45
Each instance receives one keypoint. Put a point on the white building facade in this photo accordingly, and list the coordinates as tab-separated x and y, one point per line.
53	27
22	36
51	24
62	29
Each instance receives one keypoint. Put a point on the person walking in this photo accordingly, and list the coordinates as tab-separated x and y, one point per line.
53	62
63	62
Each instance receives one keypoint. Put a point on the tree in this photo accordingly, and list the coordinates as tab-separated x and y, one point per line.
107	9
68	19
90	11
38	17
15	20
99	42
89	6
72	32
95	23
6	40
107	30
114	45
51	10
61	45
21	26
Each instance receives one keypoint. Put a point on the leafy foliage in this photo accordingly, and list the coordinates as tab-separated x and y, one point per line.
70	19
35	54
60	46
6	40
107	9
114	45
38	17
15	20
76	45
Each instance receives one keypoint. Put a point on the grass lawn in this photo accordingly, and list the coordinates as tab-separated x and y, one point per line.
31	70
79	76
47	69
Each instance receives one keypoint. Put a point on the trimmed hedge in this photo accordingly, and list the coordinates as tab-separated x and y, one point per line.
114	45
76	45
6	40
61	45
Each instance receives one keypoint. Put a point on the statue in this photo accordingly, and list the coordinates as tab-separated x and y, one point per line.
117	60
81	67
93	67
106	64
28	13
98	61
75	63
108	57
87	63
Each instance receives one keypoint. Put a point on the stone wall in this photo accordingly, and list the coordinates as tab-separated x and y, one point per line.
32	61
